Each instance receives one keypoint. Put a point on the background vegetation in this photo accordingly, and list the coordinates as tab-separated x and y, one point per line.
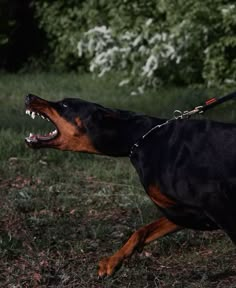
21	40
151	42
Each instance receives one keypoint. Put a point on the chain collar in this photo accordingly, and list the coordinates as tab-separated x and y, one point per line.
176	115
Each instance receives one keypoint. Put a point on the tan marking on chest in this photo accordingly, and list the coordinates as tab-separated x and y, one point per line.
158	198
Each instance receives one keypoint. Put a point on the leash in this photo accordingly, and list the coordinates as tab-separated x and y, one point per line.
210	103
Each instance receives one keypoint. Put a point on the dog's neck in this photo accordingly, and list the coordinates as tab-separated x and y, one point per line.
115	136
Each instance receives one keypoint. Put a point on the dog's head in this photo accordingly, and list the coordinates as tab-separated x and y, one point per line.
70	118
85	126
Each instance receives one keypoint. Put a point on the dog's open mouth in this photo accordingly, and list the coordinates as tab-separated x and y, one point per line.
33	139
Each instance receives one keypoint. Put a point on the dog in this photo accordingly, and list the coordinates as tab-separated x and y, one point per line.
187	167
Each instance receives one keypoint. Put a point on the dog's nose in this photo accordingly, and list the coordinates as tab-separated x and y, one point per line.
29	98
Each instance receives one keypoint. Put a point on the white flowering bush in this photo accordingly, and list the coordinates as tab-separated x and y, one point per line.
140	55
196	44
152	42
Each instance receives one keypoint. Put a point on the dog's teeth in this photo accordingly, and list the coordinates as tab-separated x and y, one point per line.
27	112
53	132
30	135
33	115
42	116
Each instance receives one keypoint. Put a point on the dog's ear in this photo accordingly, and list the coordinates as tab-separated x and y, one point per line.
100	115
104	119
97	115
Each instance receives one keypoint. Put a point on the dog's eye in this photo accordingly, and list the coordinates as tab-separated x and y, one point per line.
64	105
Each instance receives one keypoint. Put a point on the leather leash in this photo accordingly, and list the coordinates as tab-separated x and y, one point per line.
209	104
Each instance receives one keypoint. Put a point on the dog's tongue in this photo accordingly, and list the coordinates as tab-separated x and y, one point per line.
44	137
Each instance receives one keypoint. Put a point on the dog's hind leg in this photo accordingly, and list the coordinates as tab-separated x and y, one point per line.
232	235
138	239
228	224
224	215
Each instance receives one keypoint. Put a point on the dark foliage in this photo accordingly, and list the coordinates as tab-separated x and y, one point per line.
20	37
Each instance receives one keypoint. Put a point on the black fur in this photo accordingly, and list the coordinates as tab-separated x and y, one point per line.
193	162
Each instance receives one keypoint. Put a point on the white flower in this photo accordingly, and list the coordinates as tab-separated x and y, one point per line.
80	48
229	81
149	22
156	38
124	82
100	59
150	66
164	36
90	46
137	41
100	45
170	51
125	50
92	66
128	36
112	51
206	51
228	9
98	29
104	70
178	59
141	89
143	50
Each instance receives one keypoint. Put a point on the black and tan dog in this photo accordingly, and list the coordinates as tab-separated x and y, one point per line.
187	167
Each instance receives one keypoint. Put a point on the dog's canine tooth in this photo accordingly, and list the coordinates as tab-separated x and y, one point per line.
33	114
53	133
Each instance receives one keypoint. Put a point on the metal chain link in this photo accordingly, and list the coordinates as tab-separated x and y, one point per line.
176	115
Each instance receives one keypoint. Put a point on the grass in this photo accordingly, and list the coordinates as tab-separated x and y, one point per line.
61	212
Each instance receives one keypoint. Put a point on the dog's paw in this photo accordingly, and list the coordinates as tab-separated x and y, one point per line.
107	266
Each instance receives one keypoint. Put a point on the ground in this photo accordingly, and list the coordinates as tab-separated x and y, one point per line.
61	212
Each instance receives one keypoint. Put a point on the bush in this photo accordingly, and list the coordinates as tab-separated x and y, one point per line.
65	22
196	42
152	42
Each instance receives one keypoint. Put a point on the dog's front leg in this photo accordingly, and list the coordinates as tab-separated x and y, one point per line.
138	239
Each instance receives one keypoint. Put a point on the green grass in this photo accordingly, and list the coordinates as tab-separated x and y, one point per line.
61	212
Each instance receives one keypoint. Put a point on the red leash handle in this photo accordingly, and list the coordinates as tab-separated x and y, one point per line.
210	101
216	101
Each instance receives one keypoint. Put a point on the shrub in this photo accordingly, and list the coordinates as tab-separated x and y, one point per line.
195	43
65	22
152	42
